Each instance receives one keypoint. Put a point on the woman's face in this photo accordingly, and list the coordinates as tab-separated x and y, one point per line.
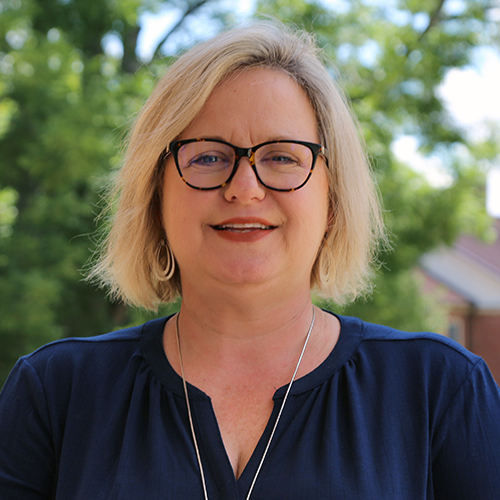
282	231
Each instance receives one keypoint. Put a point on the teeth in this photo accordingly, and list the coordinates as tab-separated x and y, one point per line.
244	226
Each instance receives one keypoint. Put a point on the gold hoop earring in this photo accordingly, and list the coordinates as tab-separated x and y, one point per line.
164	252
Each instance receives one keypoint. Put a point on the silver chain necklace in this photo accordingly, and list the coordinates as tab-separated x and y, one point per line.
195	441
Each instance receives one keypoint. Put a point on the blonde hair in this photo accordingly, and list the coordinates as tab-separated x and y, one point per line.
132	257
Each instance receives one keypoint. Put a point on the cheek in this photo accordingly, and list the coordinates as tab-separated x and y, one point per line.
311	221
177	221
321	199
180	235
183	213
171	213
321	222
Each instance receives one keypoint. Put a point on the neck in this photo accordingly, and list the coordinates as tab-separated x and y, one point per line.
239	348
247	335
239	313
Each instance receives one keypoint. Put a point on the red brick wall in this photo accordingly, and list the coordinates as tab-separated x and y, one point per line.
485	341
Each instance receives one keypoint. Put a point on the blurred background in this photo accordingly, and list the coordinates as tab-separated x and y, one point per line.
423	77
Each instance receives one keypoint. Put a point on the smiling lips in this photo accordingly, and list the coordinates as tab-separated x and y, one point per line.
243	231
242	227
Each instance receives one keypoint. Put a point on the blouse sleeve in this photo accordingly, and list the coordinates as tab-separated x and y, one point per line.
466	446
27	465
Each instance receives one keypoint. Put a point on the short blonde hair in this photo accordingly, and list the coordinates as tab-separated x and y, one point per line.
131	258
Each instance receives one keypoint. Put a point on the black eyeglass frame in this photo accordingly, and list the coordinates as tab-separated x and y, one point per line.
175	146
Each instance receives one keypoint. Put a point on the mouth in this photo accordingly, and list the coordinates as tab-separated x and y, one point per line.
243	227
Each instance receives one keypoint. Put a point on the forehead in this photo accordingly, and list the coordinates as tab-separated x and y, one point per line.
256	104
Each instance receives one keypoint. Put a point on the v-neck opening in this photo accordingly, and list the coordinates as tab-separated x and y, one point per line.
351	333
213	442
204	417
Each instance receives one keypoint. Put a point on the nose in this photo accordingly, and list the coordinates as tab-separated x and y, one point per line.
244	186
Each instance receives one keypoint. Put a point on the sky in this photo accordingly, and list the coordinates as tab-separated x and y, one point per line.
471	95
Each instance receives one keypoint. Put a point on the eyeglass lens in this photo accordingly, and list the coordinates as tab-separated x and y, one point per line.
279	165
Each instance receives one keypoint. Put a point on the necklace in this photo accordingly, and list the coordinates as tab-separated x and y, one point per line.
193	433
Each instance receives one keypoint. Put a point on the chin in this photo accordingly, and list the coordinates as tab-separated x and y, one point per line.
247	274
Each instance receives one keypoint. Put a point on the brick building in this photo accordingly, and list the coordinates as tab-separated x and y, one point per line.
466	279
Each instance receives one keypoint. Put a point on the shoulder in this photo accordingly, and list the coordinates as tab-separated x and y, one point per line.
384	338
428	340
81	376
99	357
423	371
426	363
77	349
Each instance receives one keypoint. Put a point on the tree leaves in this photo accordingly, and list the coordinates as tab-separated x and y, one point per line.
66	101
392	58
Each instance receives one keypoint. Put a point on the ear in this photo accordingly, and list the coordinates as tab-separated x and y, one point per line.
330	221
156	212
158	217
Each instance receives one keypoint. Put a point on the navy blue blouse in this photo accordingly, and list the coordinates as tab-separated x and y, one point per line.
388	415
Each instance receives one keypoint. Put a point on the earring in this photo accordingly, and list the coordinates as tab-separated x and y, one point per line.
168	271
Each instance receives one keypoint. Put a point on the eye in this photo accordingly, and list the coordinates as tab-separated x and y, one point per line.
209	160
206	159
279	160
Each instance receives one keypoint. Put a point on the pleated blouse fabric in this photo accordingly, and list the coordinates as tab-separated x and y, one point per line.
388	415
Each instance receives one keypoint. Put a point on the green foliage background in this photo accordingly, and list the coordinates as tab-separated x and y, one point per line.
66	101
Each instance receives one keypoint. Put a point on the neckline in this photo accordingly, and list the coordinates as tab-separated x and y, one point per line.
351	333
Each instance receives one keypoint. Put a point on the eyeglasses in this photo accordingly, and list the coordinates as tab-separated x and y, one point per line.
211	164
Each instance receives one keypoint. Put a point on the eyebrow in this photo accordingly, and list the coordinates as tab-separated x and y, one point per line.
272	139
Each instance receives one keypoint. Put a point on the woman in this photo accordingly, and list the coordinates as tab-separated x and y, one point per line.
244	186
